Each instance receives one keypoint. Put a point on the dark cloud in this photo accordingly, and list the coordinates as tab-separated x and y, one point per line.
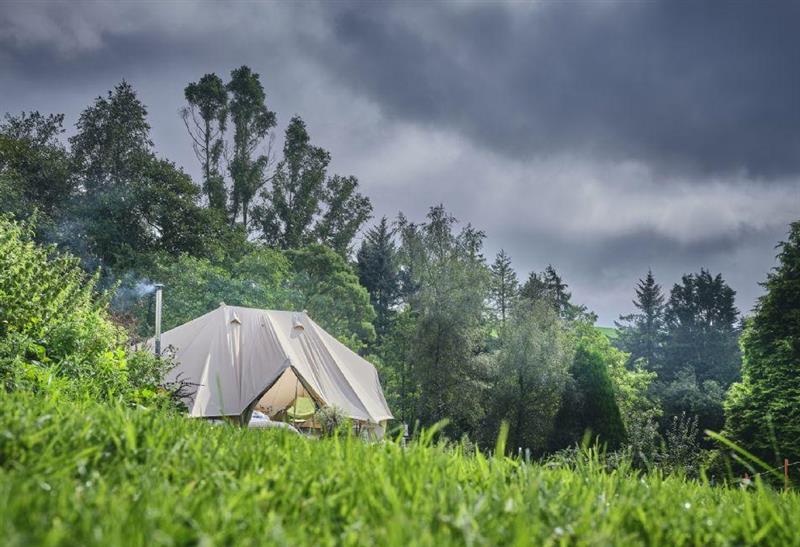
709	87
602	137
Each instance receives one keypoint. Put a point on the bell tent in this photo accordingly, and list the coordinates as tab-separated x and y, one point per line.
242	359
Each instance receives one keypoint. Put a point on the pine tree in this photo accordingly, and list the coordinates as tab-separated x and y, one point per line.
763	411
378	273
504	285
642	334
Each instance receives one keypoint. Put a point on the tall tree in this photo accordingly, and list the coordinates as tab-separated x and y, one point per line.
702	330
504	286
451	288
642	334
112	139
132	203
252	124
549	287
205	120
763	411
297	188
378	273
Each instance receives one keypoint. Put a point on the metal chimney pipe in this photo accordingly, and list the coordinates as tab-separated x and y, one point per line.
159	288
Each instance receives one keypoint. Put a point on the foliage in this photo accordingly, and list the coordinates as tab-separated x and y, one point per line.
681	451
702	330
549	287
333	421
530	373
588	403
97	475
642	334
378	273
205	119
451	287
504	285
302	206
35	175
252	122
763	411
55	335
396	367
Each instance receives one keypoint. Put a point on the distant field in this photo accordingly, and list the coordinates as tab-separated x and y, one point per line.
91	475
610	332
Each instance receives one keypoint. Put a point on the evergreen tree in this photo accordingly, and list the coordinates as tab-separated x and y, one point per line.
702	330
763	411
588	404
642	334
378	273
504	285
252	123
205	120
549	287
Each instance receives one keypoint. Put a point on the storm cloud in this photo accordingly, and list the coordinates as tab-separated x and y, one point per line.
605	138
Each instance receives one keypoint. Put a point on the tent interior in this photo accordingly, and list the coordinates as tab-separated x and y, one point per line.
289	400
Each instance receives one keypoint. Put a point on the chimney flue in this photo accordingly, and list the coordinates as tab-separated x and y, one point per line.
159	288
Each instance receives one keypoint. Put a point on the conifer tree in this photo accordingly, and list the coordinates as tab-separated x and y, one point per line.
378	273
641	334
763	411
504	285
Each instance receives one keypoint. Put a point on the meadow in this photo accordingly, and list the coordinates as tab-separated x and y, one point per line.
80	473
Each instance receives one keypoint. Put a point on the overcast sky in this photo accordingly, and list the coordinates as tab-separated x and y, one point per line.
605	138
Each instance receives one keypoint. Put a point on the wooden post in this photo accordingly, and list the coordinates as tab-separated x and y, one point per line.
785	473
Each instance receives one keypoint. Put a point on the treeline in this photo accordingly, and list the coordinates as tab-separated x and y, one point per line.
456	336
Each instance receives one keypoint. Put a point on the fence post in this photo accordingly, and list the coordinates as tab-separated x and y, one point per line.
786	473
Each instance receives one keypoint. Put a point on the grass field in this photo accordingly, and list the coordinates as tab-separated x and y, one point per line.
86	474
610	332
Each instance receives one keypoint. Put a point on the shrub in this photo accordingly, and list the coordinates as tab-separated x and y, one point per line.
55	335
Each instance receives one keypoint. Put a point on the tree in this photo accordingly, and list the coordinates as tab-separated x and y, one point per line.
762	412
131	203
205	120
642	334
252	123
504	285
345	212
378	273
702	330
451	288
549	287
529	376
35	170
113	135
302	206
588	404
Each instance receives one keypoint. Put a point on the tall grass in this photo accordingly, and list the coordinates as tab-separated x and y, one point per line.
86	474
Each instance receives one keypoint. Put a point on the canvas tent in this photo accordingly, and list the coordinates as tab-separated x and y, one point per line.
245	358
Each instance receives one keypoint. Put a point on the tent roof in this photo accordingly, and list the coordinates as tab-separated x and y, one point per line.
235	354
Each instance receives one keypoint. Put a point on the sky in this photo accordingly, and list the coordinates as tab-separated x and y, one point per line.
604	138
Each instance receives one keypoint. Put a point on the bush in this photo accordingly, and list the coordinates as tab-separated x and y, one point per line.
55	334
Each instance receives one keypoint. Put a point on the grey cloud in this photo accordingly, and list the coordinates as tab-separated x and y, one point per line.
707	87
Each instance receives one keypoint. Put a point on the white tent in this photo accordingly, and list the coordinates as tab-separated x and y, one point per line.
245	358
